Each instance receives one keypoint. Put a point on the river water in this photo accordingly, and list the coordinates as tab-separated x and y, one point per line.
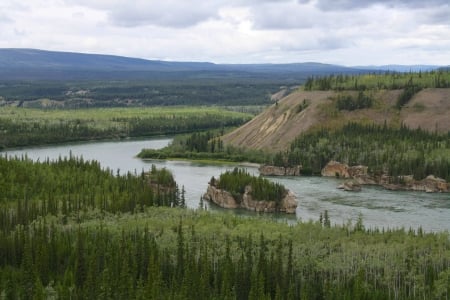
378	207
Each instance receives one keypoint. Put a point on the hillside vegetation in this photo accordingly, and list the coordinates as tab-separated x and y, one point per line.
24	126
417	100
386	81
384	150
142	92
69	230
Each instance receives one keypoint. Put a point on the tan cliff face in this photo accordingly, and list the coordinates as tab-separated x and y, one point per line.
224	199
220	197
359	174
268	170
337	169
274	129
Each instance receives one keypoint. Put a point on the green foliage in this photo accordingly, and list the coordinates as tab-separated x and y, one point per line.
398	152
388	80
203	146
71	187
237	180
152	92
347	102
410	90
302	106
163	253
71	230
23	127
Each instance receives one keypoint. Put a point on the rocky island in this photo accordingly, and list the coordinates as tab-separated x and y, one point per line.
238	189
360	176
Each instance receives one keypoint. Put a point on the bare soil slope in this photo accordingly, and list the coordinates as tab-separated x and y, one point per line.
275	128
429	109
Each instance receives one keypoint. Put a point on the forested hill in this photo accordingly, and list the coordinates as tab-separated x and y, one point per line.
32	64
416	100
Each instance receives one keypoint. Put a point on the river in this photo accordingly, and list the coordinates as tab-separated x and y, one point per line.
378	207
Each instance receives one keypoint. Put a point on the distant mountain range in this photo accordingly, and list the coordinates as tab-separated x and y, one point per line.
33	64
401	68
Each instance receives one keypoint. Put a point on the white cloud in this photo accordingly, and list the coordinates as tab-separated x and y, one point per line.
349	32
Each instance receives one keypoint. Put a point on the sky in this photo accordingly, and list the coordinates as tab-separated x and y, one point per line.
345	32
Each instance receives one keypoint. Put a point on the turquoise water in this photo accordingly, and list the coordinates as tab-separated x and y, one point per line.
378	207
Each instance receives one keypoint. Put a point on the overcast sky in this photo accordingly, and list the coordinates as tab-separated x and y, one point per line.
347	32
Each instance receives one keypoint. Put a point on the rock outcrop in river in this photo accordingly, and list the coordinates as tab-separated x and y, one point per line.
350	186
226	200
269	170
430	184
337	169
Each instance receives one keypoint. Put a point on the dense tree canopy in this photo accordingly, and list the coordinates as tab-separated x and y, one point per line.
69	229
23	127
237	180
399	151
72	186
388	80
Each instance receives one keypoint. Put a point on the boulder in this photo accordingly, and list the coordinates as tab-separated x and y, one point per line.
357	171
220	197
366	180
289	203
360	176
269	170
224	199
431	184
335	169
259	206
350	186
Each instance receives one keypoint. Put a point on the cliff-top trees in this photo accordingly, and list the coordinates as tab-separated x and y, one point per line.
237	180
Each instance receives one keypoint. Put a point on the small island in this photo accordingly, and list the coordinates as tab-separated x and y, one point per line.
359	176
239	189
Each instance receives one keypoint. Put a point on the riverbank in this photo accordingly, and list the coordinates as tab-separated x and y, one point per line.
315	194
360	176
22	127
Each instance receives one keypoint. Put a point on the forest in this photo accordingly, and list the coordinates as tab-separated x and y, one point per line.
206	146
152	92
70	229
388	80
24	127
73	186
238	179
396	151
106	236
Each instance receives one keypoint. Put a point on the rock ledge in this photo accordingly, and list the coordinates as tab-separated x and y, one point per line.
226	200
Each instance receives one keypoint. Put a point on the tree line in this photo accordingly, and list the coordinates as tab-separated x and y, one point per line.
238	179
395	151
348	102
74	231
17	129
207	145
72	187
387	81
125	93
172	255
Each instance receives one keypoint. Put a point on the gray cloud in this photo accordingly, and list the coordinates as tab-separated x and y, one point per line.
5	19
358	4
297	16
335	31
282	17
440	15
168	13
